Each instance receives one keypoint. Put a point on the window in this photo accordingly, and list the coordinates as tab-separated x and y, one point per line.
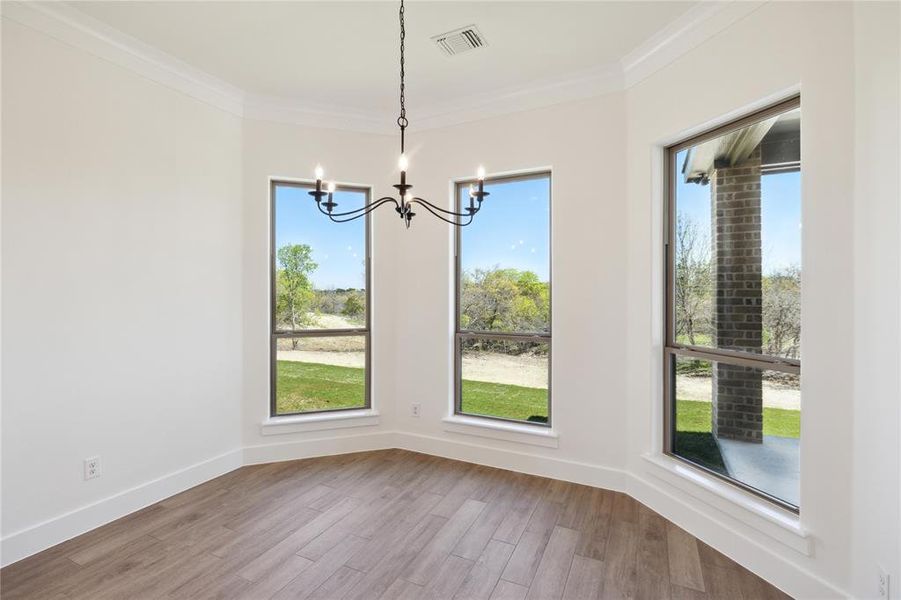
733	302
319	287
503	302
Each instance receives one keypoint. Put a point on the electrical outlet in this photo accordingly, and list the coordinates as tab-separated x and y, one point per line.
415	409
92	467
883	583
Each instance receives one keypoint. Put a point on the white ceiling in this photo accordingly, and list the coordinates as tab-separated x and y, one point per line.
343	56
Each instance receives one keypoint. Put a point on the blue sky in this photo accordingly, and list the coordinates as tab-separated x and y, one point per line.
512	230
338	248
780	214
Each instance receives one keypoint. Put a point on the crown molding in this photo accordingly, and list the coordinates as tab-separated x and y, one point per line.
284	110
75	28
67	24
683	34
538	94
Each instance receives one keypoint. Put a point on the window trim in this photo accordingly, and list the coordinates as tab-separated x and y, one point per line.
275	334
460	333
672	349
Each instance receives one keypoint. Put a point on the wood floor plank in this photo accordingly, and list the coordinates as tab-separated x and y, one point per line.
722	583
448	578
527	555
392	524
507	590
653	575
270	559
474	541
620	561
393	559
338	585
556	561
423	569
318	573
402	589
684	561
517	519
585	580
595	527
395	532
483	576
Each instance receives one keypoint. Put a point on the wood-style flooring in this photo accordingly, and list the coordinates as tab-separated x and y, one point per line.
391	524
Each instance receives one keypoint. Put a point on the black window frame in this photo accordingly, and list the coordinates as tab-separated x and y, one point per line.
671	348
461	334
276	333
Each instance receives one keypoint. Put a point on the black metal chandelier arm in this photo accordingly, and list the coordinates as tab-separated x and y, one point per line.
362	211
368	209
428	206
426	203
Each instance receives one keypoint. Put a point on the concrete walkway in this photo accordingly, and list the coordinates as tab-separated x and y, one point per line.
773	467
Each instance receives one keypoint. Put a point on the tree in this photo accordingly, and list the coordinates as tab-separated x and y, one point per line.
504	300
782	312
294	290
693	279
353	304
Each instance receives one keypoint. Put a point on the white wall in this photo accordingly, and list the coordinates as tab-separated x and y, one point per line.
291	151
582	144
876	527
121	288
780	48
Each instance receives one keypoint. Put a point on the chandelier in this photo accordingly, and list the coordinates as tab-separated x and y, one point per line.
404	202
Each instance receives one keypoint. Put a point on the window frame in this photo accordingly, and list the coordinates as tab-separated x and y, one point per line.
275	333
673	349
460	334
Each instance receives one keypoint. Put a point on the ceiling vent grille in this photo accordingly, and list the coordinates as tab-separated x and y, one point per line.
460	40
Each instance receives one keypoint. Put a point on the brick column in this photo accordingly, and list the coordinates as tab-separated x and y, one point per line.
737	391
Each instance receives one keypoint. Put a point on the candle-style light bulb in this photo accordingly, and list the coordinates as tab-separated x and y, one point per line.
480	173
319	172
331	187
472	191
403	162
408	197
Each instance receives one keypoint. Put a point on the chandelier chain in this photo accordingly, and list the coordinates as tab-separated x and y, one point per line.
402	119
405	201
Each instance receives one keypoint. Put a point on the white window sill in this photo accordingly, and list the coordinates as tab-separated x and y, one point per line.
320	421
772	520
535	435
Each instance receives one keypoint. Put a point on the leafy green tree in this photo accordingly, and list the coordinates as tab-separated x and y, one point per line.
294	290
353	304
504	300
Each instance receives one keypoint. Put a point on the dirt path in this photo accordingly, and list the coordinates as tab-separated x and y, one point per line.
527	371
530	371
774	395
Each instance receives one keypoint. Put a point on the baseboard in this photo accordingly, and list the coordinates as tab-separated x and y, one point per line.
744	549
294	450
748	548
531	464
36	538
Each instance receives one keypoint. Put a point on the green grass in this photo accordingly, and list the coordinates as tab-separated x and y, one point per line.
692	415
306	386
695	442
507	401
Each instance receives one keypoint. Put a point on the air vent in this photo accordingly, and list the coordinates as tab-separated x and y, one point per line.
460	40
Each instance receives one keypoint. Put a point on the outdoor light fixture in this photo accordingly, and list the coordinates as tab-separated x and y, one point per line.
404	202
